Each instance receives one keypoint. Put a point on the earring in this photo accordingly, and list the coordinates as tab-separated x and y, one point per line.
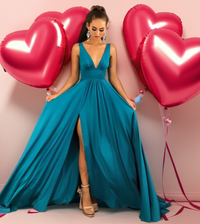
104	37
88	35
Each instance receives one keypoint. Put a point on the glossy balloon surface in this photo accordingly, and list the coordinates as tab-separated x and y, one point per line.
138	21
35	56
171	66
72	20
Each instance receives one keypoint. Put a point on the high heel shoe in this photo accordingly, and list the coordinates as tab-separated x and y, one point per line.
96	208
91	213
95	205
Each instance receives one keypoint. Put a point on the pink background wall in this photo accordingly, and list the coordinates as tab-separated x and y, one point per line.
21	105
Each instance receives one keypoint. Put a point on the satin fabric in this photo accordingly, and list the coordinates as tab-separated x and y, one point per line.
47	172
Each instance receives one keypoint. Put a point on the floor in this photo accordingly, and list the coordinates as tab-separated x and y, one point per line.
71	214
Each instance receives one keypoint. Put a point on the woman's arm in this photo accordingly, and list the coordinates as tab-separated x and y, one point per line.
74	76
113	78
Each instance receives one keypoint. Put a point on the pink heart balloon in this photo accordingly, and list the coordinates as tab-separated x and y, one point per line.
138	21
72	20
35	56
171	66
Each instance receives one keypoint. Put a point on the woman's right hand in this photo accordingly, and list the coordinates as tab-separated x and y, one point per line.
51	97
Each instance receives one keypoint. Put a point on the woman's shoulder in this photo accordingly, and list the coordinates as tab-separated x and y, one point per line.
76	45
75	49
113	49
112	45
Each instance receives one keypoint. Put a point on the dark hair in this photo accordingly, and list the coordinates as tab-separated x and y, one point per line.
96	12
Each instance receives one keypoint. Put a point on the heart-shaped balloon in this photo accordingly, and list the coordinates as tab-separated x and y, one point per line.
72	20
35	56
138	21
171	66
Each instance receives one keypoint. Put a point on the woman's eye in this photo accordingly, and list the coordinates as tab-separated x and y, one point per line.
94	29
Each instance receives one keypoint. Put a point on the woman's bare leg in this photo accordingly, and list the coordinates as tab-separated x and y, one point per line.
83	170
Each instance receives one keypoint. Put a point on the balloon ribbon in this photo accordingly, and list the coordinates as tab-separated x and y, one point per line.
167	122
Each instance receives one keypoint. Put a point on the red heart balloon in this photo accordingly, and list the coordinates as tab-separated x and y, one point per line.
171	66
138	21
72	20
35	56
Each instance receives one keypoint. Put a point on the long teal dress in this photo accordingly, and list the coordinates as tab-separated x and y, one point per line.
47	172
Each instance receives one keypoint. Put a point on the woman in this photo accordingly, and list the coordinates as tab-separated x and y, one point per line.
86	133
94	29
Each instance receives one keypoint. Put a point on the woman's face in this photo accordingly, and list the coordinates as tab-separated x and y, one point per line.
97	28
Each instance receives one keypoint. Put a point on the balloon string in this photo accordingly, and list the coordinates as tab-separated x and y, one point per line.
32	211
2	214
167	122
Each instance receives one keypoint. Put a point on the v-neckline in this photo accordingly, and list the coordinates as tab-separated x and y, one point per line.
91	57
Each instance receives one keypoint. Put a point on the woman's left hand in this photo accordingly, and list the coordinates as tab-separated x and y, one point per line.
131	103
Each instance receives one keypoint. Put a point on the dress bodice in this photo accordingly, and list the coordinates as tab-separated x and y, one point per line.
87	67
